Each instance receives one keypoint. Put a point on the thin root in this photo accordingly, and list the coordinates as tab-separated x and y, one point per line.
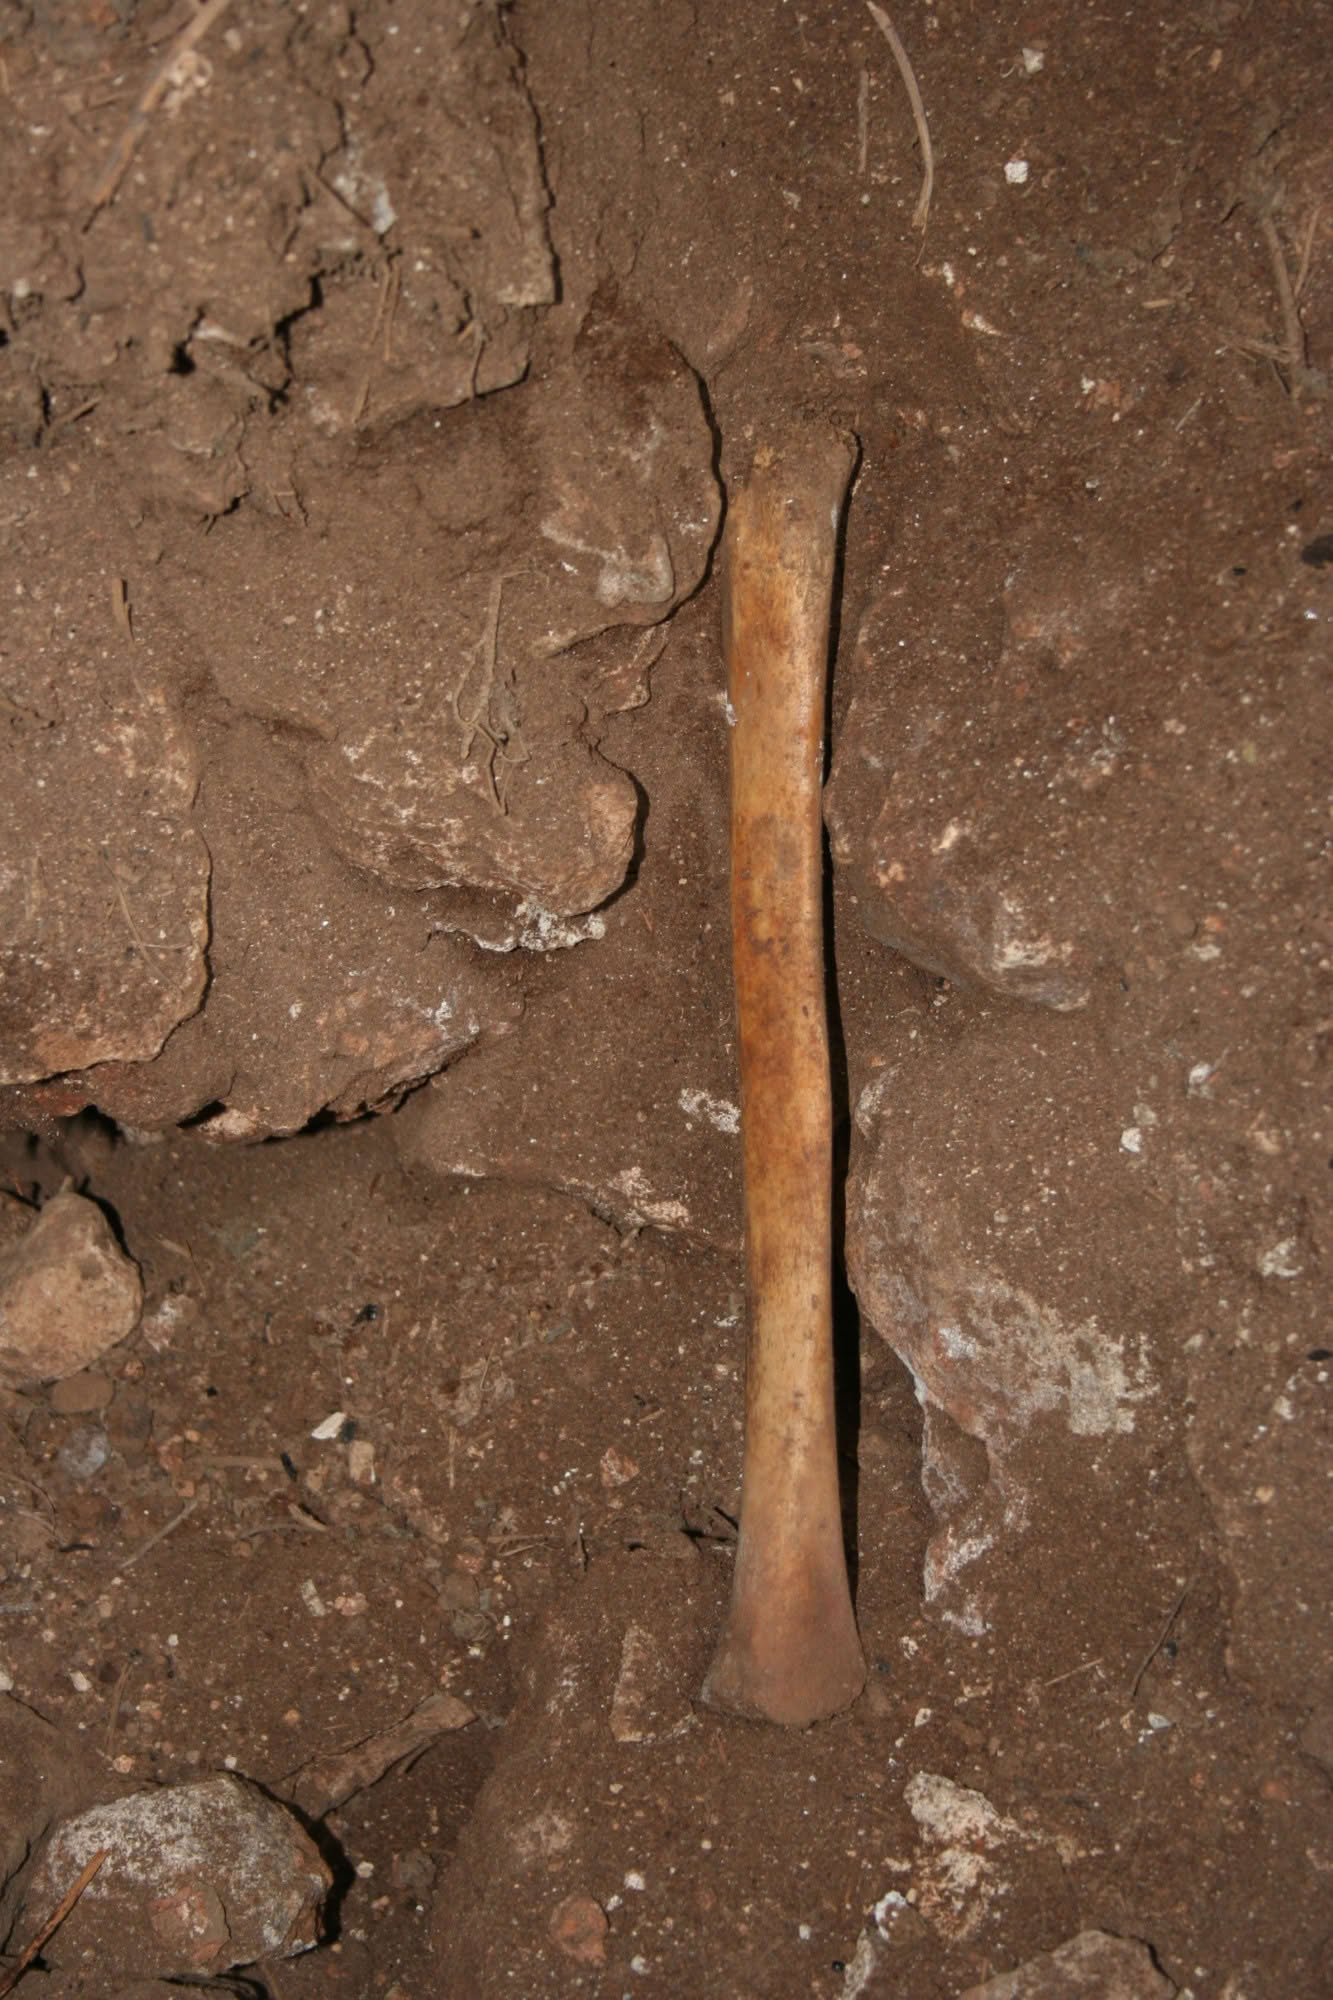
862	121
477	723
1160	1640
166	1529
142	942
56	1918
1288	357
156	89
908	75
386	306
1293	333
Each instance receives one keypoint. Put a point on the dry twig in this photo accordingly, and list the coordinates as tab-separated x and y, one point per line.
1160	1640
166	1529
153	93
56	1919
117	1696
862	121
1289	356
120	606
142	942
390	285
908	75
1293	333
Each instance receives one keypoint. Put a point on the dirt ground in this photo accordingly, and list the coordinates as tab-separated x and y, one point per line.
366	422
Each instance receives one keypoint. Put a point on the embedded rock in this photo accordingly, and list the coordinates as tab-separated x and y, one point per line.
1092	1229
450	747
969	1858
982	760
104	882
329	995
1092	1966
461	205
643	1128
197	1878
68	1293
1032	1365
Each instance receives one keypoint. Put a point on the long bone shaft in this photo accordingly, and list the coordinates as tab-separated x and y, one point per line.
790	1651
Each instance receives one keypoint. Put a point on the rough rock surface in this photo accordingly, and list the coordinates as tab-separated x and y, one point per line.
1052	1370
641	1124
448	318
200	813
1092	1966
1087	1350
287	253
198	1878
1036	1368
459	757
103	876
329	993
68	1293
1015	712
969	1855
351	742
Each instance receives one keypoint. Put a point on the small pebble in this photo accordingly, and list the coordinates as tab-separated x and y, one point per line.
578	1929
616	1468
84	1452
79	1394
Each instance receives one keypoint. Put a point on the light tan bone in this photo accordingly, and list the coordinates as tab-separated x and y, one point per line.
790	1652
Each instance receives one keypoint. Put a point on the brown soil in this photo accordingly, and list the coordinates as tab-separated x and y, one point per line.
1091	540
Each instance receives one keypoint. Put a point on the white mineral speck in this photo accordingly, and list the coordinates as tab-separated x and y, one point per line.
1281	1261
719	1111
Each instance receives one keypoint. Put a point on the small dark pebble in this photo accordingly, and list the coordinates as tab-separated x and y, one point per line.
1319	552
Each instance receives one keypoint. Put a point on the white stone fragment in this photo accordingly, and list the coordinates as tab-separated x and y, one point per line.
197	1878
719	1111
